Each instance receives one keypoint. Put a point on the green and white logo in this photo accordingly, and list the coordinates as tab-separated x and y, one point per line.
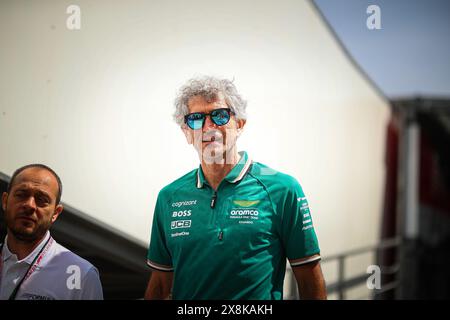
246	203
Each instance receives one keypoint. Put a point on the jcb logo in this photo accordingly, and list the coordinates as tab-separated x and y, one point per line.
180	224
182	213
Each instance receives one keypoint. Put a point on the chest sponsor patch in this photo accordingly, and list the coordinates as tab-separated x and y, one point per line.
179	234
30	296
246	203
184	203
181	213
244	216
180	224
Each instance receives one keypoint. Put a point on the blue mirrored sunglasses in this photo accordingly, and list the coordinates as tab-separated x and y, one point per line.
196	120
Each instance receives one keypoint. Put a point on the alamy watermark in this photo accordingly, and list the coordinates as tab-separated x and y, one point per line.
373	21
374	280
73	21
74	279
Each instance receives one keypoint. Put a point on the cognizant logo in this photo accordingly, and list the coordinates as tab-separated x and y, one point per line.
184	203
246	212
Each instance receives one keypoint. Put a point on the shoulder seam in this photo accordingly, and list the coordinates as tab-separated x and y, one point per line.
265	189
176	189
274	207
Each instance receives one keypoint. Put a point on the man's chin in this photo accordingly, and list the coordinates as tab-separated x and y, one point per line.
213	157
25	235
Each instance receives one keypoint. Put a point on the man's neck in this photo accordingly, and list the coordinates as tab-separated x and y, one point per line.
22	248
215	172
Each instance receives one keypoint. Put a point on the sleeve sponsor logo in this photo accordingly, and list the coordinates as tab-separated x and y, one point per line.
304	211
304	208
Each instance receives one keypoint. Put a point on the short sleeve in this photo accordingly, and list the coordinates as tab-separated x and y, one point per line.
297	230
91	286
158	256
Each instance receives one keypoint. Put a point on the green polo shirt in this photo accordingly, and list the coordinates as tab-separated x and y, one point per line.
231	243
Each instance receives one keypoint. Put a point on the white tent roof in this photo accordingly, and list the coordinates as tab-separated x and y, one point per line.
95	104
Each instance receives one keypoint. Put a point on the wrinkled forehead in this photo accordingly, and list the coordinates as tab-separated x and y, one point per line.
36	178
201	103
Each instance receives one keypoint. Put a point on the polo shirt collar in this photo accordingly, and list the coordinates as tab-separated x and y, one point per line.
235	175
6	254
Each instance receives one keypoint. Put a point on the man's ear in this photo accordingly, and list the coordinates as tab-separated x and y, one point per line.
240	125
4	199
188	134
59	208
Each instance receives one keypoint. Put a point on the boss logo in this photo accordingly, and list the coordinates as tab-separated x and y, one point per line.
182	213
180	224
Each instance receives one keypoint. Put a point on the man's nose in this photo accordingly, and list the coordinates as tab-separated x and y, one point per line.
209	123
30	203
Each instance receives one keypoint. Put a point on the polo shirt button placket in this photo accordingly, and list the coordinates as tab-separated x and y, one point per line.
213	205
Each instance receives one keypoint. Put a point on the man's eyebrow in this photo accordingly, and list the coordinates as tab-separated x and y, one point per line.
20	187
38	192
43	193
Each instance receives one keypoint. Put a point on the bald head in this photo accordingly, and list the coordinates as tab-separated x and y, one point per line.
39	172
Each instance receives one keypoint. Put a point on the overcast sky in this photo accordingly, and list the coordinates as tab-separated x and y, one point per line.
409	55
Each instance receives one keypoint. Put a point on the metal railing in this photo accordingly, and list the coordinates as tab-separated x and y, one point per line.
343	284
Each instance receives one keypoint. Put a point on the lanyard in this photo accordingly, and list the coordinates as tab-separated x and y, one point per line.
36	261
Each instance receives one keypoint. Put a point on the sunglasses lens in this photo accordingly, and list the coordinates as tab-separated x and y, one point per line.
220	117
195	121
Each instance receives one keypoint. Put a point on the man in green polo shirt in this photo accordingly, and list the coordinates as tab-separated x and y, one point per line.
225	230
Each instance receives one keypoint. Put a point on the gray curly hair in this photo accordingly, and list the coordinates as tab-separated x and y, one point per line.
209	88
